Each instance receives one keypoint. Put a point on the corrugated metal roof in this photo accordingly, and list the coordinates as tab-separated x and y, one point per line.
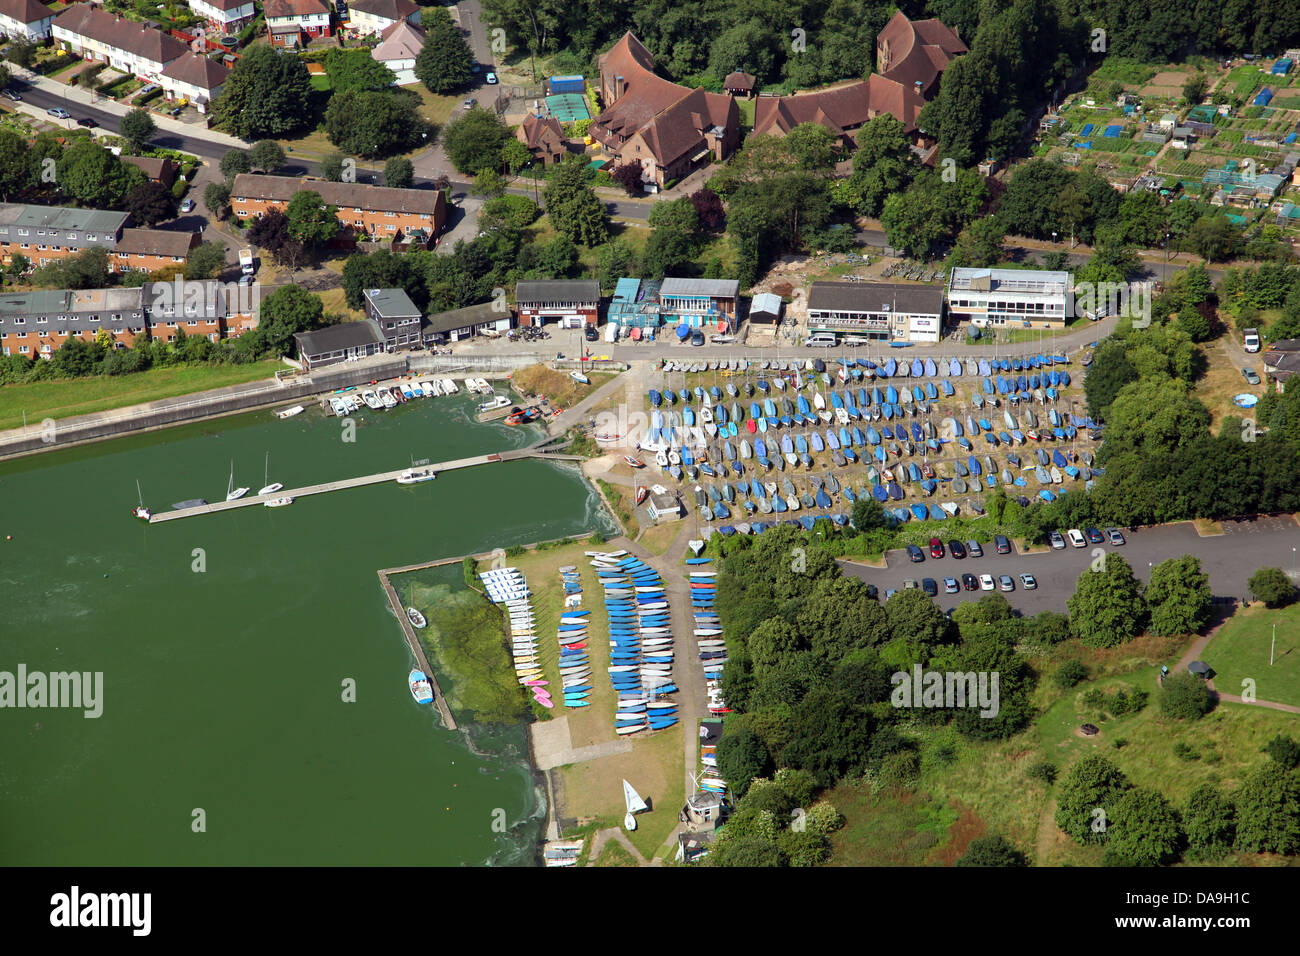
716	288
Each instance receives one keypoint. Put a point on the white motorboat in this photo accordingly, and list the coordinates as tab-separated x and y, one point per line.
386	396
278	502
338	406
289	412
415	617
372	400
448	386
501	401
413	476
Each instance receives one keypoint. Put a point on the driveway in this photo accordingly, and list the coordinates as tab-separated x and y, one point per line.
1229	559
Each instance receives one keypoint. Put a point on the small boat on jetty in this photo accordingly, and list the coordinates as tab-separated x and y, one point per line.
413	476
522	416
278	502
289	412
415	617
421	689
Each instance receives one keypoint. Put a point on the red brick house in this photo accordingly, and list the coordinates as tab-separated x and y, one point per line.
367	213
292	23
544	138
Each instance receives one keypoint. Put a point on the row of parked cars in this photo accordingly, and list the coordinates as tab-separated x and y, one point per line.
1081	539
969	582
957	549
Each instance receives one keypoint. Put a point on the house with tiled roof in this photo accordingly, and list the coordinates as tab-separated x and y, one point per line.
25	18
544	138
293	23
224	16
95	34
158	170
376	16
671	129
194	77
400	43
149	250
740	84
910	58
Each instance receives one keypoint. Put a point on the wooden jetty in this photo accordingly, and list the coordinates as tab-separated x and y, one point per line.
344	483
417	650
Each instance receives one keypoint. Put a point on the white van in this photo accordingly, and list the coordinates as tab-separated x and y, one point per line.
820	340
1250	340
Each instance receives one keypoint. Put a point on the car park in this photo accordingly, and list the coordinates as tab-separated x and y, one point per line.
929	586
1250	375
970	582
1028	582
59	112
950	586
1094	535
87	122
1005	582
956	549
1057	542
973	549
915	554
187	205
1116	538
1076	538
986	582
1002	544
936	548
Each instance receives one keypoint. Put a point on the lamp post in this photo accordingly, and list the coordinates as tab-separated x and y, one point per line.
1164	276
1272	647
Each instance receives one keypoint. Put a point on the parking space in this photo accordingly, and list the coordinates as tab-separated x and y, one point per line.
1229	559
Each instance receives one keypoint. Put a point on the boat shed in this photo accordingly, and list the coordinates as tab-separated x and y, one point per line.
1020	298
460	324
664	508
635	304
571	302
877	310
339	343
696	303
766	308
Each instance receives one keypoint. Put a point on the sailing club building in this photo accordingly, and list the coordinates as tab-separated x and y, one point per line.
1016	298
699	303
572	303
881	311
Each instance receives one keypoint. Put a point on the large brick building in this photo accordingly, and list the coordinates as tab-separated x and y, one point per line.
572	303
37	323
151	249
45	233
365	212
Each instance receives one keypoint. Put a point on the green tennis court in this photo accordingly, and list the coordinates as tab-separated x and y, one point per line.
567	107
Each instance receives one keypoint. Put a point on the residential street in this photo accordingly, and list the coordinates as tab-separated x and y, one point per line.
1229	559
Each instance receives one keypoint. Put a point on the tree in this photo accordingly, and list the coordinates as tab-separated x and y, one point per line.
267	95
1142	830
382	270
1106	608
287	310
1284	751
1184	696
88	269
1092	784
21	52
236	161
708	208
206	261
332	167
868	514
883	163
1272	586
15	164
1178	596
915	619
95	177
572	206
310	220
1213	237
267	155
813	145
628	175
992	851
150	203
1209	822
137	128
474	141
1268	811
399	173
445	60
742	756
216	197
980	243
351	70
515	155
1194	88
269	231
488	183
516	212
371	123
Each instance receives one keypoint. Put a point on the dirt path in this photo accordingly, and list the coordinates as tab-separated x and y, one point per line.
1193	653
617	835
1047	831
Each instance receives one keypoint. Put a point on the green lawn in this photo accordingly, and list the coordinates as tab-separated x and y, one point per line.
1240	652
84	396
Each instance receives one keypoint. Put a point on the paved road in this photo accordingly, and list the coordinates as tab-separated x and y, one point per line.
471	20
1229	559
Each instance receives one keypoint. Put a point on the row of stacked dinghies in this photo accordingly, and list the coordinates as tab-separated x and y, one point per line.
572	633
640	642
508	588
712	648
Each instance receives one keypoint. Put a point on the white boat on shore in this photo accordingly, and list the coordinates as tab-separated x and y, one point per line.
372	400
289	412
386	397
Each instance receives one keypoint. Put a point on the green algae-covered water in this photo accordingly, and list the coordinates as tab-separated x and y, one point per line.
227	643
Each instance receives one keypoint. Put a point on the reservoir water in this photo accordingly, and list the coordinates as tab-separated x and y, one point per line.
227	642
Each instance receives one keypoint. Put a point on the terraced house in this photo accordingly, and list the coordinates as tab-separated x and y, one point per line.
25	18
224	16
376	16
293	23
95	34
367	213
43	234
151	249
36	323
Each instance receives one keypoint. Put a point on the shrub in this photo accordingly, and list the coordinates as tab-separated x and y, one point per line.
1069	674
1043	770
1183	752
1185	697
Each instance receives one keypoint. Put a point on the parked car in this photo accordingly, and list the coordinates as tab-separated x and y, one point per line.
970	582
697	338
1057	542
590	334
1005	582
1115	537
950	586
873	592
890	592
1028	582
973	549
245	280
491	78
176	111
956	549
1002	544
1094	535
87	122
1250	375
58	112
187	205
929	586
936	548
986	582
915	554
823	340
469	104
1076	538
909	584
11	95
